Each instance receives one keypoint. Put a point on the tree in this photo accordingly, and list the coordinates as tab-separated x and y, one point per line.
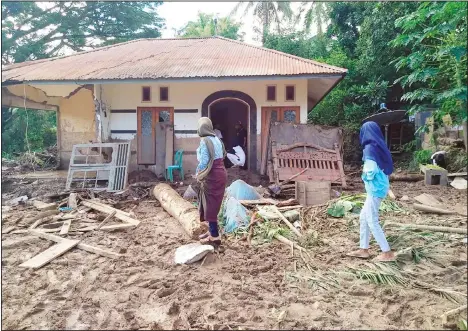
436	76
208	25
32	30
314	12
269	12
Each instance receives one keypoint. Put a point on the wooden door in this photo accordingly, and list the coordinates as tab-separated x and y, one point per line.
147	119
275	114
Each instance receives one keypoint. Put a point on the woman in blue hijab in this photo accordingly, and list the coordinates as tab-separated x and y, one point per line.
378	165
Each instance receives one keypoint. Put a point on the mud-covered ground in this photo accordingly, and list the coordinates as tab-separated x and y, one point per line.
245	287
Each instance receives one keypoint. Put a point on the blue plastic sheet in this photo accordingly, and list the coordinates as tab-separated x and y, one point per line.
242	191
235	214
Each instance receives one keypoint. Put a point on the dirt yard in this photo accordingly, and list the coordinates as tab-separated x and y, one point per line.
245	287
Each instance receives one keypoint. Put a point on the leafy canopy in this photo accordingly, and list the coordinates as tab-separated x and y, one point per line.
208	25
32	30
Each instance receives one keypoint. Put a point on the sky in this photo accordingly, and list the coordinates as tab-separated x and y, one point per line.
177	14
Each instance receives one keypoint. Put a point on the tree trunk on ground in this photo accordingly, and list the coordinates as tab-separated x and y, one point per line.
406	177
180	209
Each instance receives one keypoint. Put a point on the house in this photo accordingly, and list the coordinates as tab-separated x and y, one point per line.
121	92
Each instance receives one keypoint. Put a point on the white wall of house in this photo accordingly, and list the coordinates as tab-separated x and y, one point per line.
190	95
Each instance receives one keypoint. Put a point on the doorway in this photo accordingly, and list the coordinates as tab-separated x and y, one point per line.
226	113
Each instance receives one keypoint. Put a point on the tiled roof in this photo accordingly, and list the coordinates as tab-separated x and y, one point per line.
213	57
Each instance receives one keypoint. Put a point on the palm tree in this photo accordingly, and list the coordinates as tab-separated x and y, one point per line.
267	11
208	25
314	12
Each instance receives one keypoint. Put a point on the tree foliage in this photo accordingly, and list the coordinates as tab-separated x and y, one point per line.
435	76
208	25
32	30
268	12
27	129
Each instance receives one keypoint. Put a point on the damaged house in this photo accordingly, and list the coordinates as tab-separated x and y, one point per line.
151	92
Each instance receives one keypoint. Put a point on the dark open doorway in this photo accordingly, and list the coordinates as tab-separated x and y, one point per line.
225	114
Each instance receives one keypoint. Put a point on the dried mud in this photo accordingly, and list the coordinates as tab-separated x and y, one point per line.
245	287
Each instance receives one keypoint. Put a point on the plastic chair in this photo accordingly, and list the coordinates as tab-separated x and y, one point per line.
177	166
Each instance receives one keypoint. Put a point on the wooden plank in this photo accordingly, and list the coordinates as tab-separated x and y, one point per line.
428	200
84	247
458	174
265	137
65	227
108	227
50	254
121	215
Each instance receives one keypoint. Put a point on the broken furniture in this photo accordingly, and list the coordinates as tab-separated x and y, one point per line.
323	164
434	175
293	147
99	166
168	174
312	193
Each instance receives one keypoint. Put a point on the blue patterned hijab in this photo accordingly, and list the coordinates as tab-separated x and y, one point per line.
374	147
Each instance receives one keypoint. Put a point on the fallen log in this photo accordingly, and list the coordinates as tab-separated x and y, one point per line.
429	228
406	177
434	210
182	210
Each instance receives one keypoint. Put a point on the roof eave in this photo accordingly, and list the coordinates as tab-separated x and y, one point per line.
340	75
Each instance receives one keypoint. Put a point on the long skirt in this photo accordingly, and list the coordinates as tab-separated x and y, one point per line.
215	185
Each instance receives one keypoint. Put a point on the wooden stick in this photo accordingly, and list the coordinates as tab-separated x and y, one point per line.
106	219
285	220
293	176
41	215
452	312
88	248
288	242
430	228
434	210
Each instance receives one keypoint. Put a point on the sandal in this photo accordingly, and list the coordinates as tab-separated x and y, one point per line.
213	241
382	258
359	254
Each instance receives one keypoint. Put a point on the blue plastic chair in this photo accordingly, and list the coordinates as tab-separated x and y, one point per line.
177	166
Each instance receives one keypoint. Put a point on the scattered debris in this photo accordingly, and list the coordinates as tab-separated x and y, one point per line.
42	206
459	183
429	228
428	200
17	201
72	202
404	198
275	189
48	255
434	210
312	193
191	253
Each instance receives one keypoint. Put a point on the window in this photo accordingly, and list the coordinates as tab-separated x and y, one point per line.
290	93
271	93
146	94
164	94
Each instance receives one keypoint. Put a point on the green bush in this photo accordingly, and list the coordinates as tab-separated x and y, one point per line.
420	157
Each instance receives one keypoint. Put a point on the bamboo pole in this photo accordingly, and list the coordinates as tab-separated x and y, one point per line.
429	228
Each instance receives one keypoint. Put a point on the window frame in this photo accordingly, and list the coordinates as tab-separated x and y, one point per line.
286	93
276	93
161	87
142	94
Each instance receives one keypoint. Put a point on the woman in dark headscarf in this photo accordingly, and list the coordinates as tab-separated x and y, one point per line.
212	177
378	165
